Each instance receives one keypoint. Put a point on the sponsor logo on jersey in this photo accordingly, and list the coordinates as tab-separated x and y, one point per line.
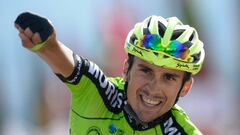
94	131
113	129
169	128
113	96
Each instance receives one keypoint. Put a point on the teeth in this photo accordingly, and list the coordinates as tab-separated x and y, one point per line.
150	101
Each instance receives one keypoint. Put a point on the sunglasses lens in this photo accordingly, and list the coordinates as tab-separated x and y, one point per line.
152	42
175	48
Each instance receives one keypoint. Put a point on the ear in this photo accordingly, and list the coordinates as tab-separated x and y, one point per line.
186	87
125	70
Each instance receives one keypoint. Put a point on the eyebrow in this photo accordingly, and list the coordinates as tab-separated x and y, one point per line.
143	66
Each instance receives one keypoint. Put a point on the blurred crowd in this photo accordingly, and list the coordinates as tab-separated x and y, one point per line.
34	101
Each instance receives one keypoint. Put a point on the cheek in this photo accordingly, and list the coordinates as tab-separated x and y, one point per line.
171	95
131	90
133	86
132	97
174	87
134	81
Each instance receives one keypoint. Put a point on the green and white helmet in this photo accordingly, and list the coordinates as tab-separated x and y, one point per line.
167	43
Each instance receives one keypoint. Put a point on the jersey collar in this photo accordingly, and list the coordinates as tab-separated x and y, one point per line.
137	124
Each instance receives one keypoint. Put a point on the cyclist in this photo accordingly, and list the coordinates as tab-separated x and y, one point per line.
163	54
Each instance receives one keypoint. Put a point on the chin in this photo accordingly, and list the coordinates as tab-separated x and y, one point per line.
145	118
147	121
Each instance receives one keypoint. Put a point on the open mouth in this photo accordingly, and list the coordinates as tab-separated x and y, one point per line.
150	102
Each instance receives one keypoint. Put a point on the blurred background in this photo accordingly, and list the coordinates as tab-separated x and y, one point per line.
34	102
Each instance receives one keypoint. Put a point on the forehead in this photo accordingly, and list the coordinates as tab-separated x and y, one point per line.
141	63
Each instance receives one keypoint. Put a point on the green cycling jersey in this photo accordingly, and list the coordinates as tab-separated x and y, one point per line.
98	107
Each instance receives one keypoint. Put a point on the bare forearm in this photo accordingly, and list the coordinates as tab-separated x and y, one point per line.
58	57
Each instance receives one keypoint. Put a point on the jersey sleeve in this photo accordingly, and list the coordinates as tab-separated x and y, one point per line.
88	77
75	77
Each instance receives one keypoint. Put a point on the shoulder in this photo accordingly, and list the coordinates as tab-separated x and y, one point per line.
184	121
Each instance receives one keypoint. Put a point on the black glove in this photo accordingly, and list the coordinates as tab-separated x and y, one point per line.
36	23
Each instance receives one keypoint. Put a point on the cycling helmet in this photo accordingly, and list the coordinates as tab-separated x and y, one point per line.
167	43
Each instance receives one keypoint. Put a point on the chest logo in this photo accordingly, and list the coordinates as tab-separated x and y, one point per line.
114	130
94	131
169	128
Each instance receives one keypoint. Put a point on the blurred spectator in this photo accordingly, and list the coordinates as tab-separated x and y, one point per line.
115	25
54	107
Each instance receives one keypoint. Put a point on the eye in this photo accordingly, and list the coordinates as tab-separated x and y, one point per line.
169	77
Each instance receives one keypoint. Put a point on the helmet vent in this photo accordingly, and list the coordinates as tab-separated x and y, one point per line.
133	38
156	54
191	37
177	33
161	29
196	57
149	22
165	56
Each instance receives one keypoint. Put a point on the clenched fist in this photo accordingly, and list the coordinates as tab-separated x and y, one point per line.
34	30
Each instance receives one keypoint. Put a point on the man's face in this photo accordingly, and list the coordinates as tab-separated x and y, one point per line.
152	90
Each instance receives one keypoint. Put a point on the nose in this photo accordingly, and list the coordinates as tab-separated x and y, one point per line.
155	88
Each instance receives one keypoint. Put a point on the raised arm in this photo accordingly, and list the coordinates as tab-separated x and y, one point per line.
38	35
